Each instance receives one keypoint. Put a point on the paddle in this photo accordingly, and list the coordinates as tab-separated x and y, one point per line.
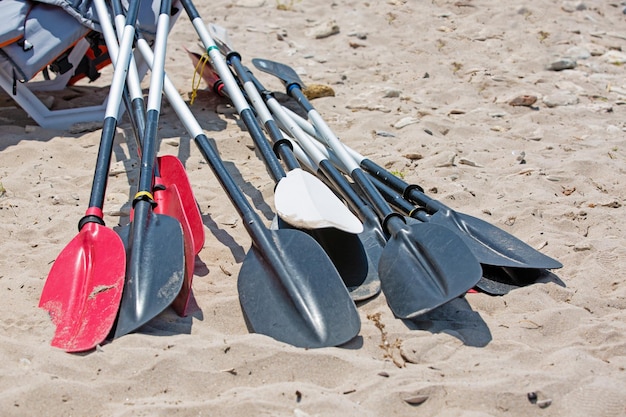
309	198
490	244
414	268
83	289
171	189
156	260
288	288
495	280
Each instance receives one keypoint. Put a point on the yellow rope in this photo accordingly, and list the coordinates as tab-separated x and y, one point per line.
204	59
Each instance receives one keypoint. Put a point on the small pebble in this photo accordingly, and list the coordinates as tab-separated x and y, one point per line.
392	93
469	162
323	30
313	91
405	121
562	64
544	403
413	156
614	57
524	100
573	6
250	4
172	142
384	134
578	52
368	106
226	109
415	399
562	98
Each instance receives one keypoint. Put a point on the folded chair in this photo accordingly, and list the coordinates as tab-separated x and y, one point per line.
47	45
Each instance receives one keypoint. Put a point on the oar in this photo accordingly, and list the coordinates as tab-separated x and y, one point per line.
288	288
495	280
441	265
490	244
309	197
156	260
171	190
83	289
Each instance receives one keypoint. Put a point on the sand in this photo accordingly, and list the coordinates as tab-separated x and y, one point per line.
551	173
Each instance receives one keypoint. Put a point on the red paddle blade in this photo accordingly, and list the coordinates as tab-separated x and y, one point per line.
169	203
83	290
173	172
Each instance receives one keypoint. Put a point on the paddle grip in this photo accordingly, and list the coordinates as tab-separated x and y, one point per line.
103	162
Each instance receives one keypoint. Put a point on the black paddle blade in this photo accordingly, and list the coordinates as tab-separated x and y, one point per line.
424	266
289	290
492	245
282	71
501	280
155	268
347	253
350	254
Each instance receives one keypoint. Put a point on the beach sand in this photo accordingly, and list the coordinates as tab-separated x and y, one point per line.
552	174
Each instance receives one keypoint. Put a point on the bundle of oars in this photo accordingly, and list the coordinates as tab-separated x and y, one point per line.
321	254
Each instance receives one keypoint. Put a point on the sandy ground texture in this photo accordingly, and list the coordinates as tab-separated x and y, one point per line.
512	112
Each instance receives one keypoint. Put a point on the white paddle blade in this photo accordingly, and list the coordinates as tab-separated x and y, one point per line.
302	200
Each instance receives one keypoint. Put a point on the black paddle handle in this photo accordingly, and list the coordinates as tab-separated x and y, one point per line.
190	9
411	192
396	200
101	173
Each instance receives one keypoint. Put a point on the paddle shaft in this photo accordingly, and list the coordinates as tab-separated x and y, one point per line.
101	174
133	96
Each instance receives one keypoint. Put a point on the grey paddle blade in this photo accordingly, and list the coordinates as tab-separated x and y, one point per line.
294	294
155	268
492	245
373	240
502	280
348	254
424	266
287	75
